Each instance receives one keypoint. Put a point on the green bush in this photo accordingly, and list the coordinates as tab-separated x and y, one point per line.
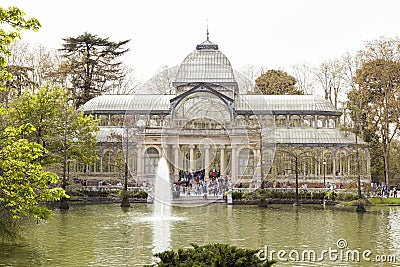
99	193
211	255
345	196
330	195
237	195
284	194
140	194
318	195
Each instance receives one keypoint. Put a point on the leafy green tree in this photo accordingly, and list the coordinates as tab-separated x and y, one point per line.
66	133
357	104
277	82
17	85
77	140
379	86
41	110
92	65
24	185
15	18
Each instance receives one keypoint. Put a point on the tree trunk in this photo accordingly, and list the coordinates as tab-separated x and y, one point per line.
63	203
386	163
63	200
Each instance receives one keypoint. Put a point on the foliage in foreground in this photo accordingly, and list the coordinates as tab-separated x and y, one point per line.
24	185
211	255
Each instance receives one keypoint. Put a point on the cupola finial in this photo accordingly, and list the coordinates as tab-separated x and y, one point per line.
207	32
207	45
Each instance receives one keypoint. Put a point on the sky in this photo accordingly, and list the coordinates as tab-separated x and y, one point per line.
276	34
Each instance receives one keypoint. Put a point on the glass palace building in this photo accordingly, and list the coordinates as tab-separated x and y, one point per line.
205	118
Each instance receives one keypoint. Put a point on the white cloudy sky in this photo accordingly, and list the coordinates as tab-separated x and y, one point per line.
271	33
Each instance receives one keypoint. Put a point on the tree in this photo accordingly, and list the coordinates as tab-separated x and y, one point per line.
42	64
357	105
304	77
66	133
126	86
91	65
378	80
77	139
330	76
42	110
15	18
24	185
247	76
297	156
277	82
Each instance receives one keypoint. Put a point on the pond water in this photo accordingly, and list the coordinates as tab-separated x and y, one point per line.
106	235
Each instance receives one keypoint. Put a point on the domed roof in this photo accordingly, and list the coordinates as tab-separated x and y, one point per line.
206	64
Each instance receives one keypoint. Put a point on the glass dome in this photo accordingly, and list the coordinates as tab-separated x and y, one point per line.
206	64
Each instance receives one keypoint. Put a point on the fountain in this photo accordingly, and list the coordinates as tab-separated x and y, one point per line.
161	219
162	194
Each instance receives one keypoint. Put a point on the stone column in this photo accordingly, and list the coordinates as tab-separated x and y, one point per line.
191	158
164	152
234	170
101	160
348	165
222	167
333	163
207	162
256	163
139	162
176	160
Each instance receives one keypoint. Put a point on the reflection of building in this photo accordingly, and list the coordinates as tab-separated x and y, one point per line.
207	122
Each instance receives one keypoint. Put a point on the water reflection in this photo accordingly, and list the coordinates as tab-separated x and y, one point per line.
104	235
161	236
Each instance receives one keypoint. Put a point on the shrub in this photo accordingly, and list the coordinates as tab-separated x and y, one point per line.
211	255
237	195
330	195
345	196
140	194
89	193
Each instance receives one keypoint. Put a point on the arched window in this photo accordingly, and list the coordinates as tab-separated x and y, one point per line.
151	160
108	161
341	164
268	121
117	120
240	120
246	162
332	123
253	121
294	121
329	164
308	121
280	121
321	121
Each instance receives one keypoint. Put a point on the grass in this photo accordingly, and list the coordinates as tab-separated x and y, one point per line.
384	201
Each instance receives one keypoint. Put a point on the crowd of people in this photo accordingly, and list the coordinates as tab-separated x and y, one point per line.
194	183
384	190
